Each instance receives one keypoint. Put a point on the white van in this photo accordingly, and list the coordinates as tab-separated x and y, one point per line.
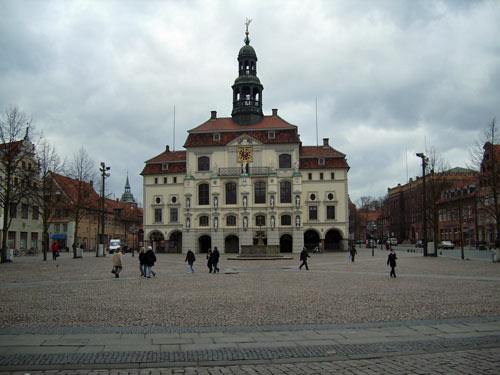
114	245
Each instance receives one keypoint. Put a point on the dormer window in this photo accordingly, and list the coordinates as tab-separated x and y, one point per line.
164	166
321	161
271	134
216	137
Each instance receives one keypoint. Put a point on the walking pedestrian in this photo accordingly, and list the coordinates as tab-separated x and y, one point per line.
190	258
142	261
209	260
353	252
215	259
117	263
55	250
391	261
303	257
150	259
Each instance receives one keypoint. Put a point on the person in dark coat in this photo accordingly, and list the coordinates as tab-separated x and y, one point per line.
215	259
150	259
391	261
303	257
353	252
142	261
209	261
190	258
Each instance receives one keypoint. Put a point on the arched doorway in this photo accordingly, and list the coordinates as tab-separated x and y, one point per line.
204	243
158	241
175	242
311	239
333	240
286	244
232	244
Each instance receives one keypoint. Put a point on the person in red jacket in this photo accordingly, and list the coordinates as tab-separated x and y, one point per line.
55	250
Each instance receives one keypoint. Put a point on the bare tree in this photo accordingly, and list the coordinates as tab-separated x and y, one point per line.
82	172
17	169
43	196
437	182
485	157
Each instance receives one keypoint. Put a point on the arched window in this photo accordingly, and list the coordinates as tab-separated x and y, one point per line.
260	192
203	221
203	194
230	193
285	161
203	163
260	220
285	192
286	220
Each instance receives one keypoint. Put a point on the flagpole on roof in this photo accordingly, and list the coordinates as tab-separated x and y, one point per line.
174	129
317	142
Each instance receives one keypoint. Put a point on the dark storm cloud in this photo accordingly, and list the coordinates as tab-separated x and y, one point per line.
390	77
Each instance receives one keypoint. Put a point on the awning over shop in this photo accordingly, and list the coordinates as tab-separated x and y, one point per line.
58	236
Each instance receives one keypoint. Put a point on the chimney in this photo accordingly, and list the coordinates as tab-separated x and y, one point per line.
167	149
213	115
325	142
275	112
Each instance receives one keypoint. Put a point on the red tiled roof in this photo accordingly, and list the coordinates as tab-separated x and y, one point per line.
70	187
156	168
227	124
207	139
169	156
319	151
312	163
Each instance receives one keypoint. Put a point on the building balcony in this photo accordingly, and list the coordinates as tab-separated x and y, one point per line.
250	171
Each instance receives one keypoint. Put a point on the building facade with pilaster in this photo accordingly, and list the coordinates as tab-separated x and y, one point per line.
243	174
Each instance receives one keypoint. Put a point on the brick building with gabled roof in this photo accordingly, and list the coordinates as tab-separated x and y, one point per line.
243	174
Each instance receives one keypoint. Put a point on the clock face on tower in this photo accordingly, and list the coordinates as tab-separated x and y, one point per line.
245	155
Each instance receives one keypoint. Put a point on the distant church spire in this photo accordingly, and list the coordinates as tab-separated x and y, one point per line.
127	195
247	89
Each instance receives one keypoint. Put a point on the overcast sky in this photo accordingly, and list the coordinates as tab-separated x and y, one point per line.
390	77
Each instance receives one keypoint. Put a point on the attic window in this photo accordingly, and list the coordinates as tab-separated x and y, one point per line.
321	161
271	134
216	137
164	166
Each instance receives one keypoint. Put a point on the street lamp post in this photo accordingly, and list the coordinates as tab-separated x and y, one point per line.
104	174
424	239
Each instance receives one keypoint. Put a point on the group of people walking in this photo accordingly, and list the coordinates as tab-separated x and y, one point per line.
147	259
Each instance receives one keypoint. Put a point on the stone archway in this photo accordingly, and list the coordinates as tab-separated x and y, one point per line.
232	244
333	240
286	243
175	242
157	240
311	239
204	243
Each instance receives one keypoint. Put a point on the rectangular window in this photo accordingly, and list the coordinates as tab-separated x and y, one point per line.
321	176
57	227
175	180
231	221
24	211
321	161
216	137
309	176
332	176
34	240
156	180
65	227
203	194
157	215
35	213
165	180
286	220
24	240
203	221
164	166
13	211
271	135
313	212
173	215
12	240
330	212
230	193
260	192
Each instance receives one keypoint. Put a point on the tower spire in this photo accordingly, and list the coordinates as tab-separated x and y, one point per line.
247	89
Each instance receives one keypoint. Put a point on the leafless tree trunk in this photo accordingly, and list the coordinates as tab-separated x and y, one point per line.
82	171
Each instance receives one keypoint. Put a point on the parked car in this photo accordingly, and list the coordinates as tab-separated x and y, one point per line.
114	245
446	245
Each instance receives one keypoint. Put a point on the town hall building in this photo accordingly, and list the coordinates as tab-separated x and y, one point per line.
245	174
